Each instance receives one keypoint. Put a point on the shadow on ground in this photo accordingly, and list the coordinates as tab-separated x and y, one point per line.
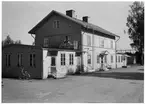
141	69
117	75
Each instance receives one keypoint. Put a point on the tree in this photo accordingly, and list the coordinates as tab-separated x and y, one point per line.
135	24
17	42
8	41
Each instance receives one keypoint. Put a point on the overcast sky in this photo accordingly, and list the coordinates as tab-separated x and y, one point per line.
19	17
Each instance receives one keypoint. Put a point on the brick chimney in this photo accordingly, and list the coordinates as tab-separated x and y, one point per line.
70	13
85	18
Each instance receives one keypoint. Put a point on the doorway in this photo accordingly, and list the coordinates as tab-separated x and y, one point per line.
53	66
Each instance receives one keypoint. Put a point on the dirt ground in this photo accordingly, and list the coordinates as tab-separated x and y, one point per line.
124	85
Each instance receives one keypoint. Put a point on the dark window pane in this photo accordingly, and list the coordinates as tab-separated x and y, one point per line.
52	61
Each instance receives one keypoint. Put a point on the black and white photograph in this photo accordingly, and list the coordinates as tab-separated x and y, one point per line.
72	52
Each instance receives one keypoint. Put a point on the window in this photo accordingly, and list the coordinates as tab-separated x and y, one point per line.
98	59
88	40
111	44
19	59
118	58
102	43
33	60
53	61
45	42
70	59
75	44
105	59
67	38
122	58
62	59
111	58
89	59
56	24
8	60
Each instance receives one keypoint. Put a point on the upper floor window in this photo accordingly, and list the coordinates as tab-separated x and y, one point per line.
102	43
56	24
71	60
8	60
19	59
111	44
88	40
62	59
45	42
75	44
33	60
67	38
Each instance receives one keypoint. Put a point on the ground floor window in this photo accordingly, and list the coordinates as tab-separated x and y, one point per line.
118	58
53	63
32	60
105	59
19	59
71	59
8	60
63	59
111	58
89	58
98	59
121	58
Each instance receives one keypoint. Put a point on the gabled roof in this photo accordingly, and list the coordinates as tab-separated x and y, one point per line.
78	21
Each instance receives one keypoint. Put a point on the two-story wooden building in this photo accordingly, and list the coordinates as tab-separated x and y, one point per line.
90	39
73	41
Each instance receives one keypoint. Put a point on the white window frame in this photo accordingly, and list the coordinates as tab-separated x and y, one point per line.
62	57
71	59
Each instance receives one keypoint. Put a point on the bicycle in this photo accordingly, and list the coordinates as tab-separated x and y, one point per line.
25	74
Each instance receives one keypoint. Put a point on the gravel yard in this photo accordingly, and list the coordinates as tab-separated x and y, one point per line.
124	85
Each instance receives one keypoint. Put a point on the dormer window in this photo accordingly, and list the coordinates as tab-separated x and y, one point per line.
56	24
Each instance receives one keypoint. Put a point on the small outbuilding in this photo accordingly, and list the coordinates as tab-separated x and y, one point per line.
38	62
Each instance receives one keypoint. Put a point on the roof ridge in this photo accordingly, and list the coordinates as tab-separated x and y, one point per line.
76	20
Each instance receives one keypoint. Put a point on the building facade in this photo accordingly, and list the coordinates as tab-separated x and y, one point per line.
88	38
63	44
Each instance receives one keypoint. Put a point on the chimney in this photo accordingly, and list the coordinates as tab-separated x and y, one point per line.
70	13
85	19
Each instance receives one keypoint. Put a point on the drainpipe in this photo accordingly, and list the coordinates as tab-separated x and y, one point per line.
115	51
93	51
82	52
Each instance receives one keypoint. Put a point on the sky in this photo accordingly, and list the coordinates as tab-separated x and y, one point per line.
20	17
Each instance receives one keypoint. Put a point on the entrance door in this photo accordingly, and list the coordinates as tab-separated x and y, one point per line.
53	66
